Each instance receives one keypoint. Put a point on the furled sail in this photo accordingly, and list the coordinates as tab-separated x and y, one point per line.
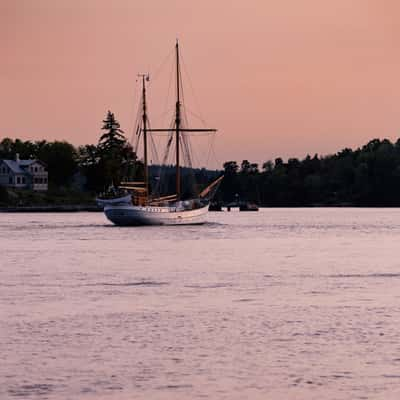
209	192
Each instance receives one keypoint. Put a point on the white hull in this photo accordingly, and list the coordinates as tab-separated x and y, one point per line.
129	215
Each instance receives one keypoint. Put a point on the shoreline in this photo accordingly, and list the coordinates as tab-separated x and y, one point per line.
59	208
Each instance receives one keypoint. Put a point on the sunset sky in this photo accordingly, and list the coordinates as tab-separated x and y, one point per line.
276	78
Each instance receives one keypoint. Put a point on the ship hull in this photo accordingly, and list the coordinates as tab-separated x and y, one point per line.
129	215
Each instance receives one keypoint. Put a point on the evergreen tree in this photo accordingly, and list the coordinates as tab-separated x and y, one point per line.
61	160
113	140
113	150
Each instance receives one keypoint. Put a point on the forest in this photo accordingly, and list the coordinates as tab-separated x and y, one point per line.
366	176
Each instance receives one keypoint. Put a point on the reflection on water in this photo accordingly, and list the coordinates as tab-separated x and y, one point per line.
284	303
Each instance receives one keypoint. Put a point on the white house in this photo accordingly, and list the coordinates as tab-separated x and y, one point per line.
28	174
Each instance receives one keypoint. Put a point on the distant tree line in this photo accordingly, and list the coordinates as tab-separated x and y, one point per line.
367	176
96	167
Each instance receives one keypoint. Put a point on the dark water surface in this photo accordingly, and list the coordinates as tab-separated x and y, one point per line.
280	304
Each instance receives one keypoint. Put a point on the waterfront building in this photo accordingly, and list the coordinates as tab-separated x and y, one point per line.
24	174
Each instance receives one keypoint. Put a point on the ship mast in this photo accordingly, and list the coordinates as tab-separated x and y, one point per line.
177	124
178	128
144	130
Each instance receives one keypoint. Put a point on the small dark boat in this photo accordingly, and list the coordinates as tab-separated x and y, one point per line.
248	207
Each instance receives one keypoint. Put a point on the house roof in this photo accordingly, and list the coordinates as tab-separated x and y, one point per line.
26	163
16	166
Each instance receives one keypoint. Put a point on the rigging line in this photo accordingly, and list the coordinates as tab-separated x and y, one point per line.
185	150
195	115
156	72
163	114
167	149
152	145
136	146
191	172
168	168
138	117
185	137
180	83
194	160
217	161
135	139
161	172
188	142
171	75
155	159
210	147
185	70
132	112
198	156
135	127
138	125
191	154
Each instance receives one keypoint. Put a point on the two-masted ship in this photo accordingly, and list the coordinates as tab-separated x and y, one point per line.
135	203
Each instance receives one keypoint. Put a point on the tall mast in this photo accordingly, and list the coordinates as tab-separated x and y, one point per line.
177	124
178	121
144	130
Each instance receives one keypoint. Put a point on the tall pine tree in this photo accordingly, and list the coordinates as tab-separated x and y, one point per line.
112	150
113	140
116	156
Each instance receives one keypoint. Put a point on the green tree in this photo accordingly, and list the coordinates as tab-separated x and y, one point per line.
9	148
112	150
61	160
6	148
89	166
115	157
230	185
113	140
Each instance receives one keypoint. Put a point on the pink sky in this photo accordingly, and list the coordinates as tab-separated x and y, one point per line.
277	78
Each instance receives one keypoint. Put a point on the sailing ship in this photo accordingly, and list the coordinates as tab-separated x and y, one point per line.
135	203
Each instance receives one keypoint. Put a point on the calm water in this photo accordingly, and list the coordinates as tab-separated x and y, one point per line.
280	304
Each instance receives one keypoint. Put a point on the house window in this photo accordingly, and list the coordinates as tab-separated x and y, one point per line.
10	180
45	180
35	169
23	180
18	180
